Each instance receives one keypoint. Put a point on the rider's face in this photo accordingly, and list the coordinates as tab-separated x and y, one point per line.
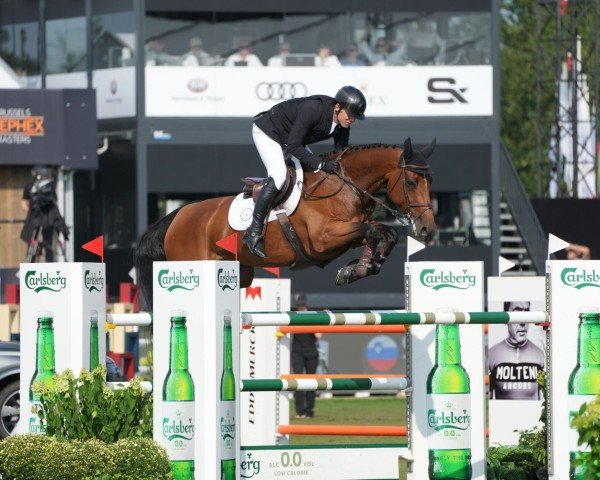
345	119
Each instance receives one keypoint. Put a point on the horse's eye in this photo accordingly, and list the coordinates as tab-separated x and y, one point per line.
411	183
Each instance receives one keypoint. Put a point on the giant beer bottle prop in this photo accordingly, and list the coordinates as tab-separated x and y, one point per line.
44	365
178	406
227	422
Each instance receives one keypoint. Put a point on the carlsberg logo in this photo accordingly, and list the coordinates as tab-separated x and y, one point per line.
174	428
40	281
227	279
448	419
93	281
573	277
439	279
227	428
172	280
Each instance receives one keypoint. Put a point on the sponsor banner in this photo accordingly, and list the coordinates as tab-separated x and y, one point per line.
71	294
516	355
331	463
262	355
574	287
409	91
438	287
202	292
115	92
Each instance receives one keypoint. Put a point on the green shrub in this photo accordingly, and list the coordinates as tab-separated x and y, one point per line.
39	457
84	407
587	424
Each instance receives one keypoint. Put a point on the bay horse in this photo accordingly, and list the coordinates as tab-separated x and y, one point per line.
334	215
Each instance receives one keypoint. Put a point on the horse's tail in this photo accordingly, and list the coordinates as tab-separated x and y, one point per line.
150	248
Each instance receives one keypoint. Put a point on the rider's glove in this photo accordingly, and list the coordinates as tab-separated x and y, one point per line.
330	166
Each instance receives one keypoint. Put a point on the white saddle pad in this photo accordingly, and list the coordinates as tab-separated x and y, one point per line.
241	209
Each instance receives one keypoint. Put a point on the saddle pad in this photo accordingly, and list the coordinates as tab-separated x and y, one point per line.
241	209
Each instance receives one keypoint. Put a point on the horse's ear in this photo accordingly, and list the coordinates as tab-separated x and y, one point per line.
408	149
428	150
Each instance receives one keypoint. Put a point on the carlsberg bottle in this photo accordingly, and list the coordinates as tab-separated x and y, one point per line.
178	403
45	368
93	340
227	418
584	382
448	410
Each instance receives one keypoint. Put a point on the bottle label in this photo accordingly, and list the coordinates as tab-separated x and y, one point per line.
448	421
35	424
178	428
227	426
575	402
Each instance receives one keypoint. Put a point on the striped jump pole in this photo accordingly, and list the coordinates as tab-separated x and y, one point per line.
346	329
322	384
141	319
356	430
391	317
296	376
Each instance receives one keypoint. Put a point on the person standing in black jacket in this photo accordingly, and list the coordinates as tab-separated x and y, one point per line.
304	359
292	125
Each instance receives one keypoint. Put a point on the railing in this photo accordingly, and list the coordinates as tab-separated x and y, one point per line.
525	218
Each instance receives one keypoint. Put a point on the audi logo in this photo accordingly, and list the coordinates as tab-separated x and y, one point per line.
280	91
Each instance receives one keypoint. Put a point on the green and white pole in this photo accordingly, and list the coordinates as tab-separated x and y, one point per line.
323	384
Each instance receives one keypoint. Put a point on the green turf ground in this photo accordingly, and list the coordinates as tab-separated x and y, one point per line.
378	410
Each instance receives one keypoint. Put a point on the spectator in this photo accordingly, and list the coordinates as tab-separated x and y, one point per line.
279	60
383	54
578	252
304	359
324	58
423	46
156	55
351	58
196	56
243	57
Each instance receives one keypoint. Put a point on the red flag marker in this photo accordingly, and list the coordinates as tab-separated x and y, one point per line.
229	243
274	270
96	246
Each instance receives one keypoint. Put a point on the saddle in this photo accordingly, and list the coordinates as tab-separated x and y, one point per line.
253	185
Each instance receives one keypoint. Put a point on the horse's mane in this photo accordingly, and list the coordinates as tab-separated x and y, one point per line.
354	148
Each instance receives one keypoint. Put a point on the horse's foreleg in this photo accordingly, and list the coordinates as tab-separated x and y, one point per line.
246	276
362	267
389	239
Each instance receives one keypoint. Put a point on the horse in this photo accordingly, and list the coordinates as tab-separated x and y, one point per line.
334	214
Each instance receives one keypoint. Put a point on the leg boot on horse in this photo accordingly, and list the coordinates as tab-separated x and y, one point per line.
254	236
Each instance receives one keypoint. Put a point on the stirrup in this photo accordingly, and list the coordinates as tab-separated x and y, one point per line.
255	244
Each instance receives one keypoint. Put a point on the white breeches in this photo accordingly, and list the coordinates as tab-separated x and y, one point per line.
271	155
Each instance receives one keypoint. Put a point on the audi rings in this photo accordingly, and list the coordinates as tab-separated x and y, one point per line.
280	90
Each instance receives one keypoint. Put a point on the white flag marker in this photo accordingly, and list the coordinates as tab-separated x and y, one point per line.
504	264
412	246
555	244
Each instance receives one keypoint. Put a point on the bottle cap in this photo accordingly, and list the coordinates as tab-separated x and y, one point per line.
177	314
588	309
45	314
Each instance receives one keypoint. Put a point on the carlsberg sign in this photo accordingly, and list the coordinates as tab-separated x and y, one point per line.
176	279
439	279
580	278
40	281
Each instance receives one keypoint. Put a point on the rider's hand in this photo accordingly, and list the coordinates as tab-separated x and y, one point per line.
330	166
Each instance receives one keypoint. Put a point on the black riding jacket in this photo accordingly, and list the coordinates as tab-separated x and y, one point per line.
302	121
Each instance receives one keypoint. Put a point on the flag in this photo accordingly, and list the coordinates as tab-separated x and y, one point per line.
504	264
229	244
96	246
555	244
274	270
412	246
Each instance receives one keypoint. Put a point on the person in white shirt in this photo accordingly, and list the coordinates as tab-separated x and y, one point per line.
382	55
196	56
324	58
279	60
243	57
424	45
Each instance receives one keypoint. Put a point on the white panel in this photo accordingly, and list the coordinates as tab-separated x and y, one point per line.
115	92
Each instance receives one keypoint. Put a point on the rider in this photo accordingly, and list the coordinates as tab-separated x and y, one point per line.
292	125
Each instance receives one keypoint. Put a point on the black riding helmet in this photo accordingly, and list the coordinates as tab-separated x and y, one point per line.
353	100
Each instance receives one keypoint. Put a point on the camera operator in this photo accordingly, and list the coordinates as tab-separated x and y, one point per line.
39	201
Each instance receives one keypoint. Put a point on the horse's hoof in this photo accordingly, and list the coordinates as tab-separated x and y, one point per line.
344	275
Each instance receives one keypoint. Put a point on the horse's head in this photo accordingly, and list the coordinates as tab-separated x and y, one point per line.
408	188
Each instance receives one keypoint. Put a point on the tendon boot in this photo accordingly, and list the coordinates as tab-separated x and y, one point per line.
254	237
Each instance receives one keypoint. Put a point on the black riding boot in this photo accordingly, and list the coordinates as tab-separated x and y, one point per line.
254	237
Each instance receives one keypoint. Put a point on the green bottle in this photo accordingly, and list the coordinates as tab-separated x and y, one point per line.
45	368
584	381
448	410
93	340
227	420
178	403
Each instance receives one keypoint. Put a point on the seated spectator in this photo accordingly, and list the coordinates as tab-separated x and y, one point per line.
279	60
383	54
424	46
155	54
351	58
196	56
324	58
243	57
